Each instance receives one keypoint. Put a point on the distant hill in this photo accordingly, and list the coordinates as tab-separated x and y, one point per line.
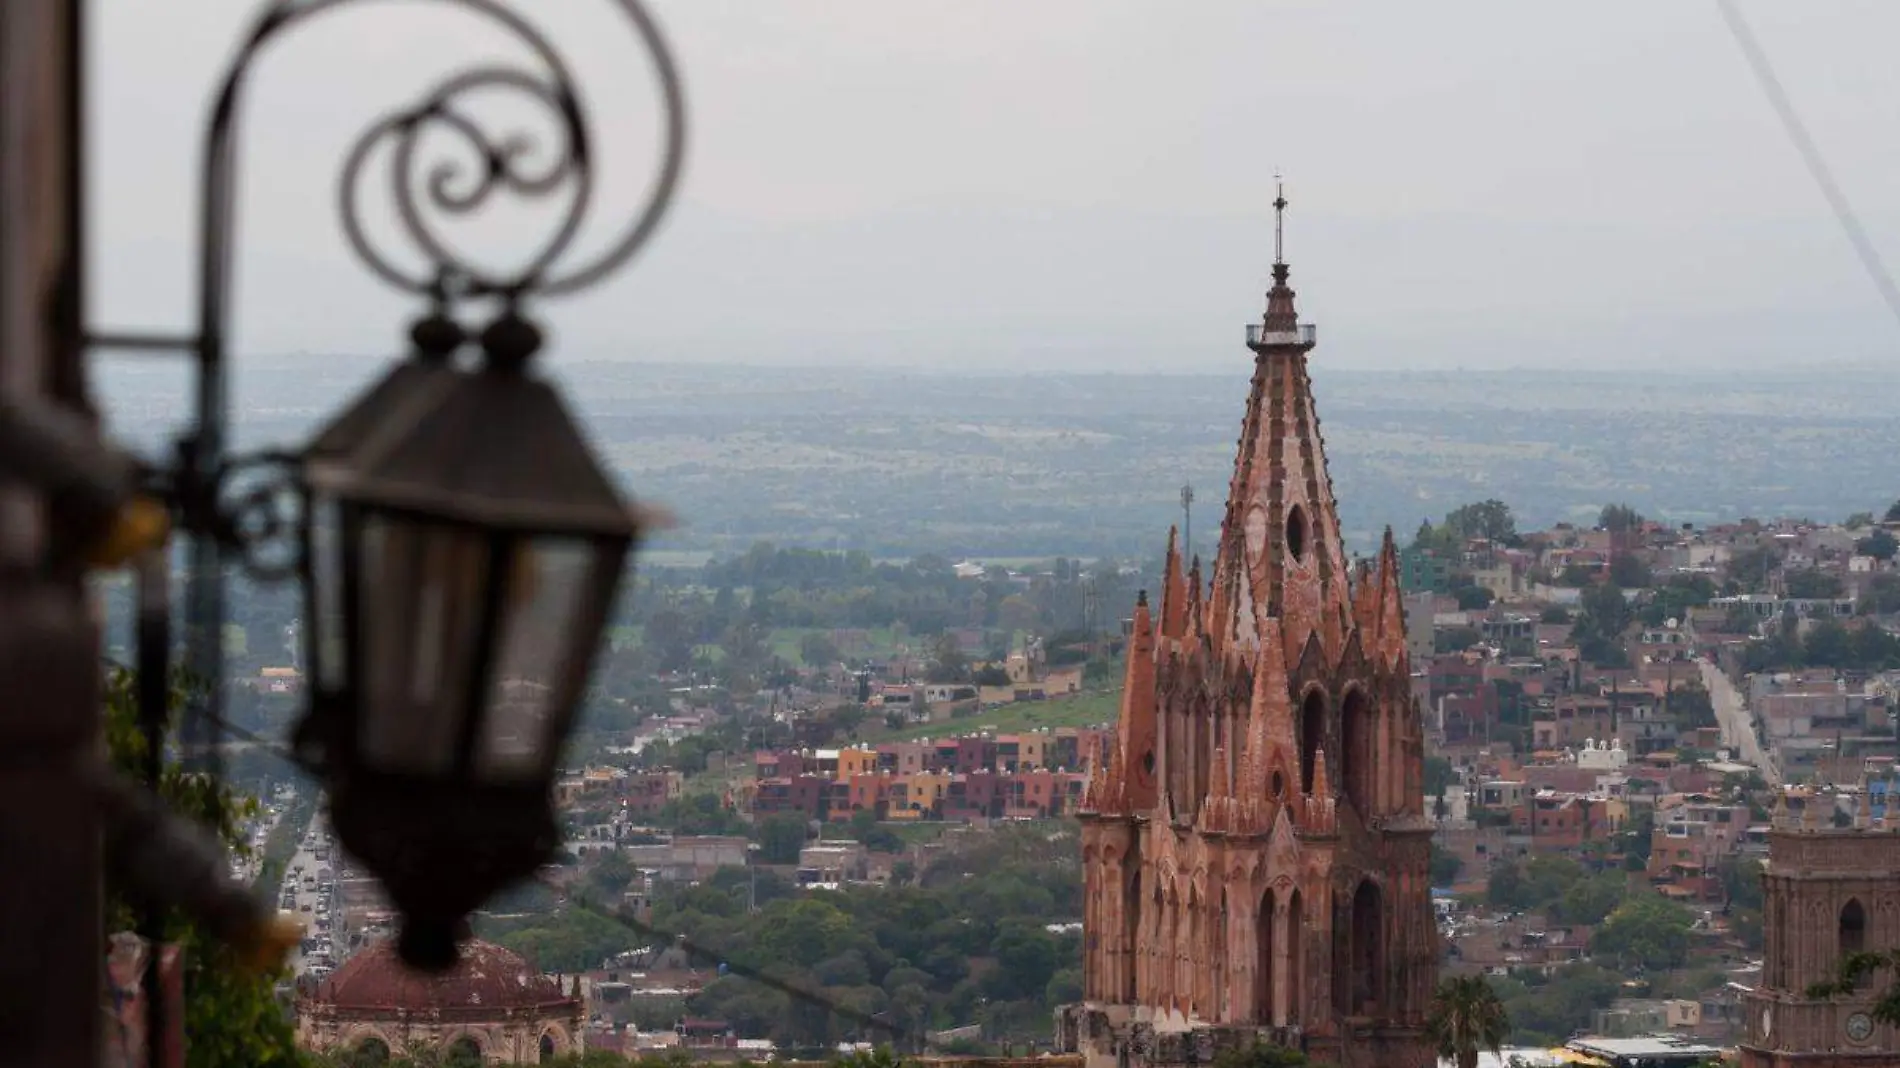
899	463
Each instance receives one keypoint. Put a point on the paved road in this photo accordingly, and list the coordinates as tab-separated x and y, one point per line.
314	903
245	869
1737	722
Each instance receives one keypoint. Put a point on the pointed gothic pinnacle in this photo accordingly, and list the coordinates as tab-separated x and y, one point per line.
1214	809
1268	702
1097	771
1779	817
1322	786
1218	786
1131	781
1864	811
1173	593
1112	796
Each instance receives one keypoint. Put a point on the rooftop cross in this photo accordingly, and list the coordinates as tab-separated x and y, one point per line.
1279	218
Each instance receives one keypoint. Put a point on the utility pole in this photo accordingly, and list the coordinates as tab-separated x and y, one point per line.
1616	695
1091	614
1187	521
50	885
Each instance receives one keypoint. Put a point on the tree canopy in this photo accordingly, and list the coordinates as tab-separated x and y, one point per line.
1647	931
1488	519
1880	545
1466	1017
232	1018
967	942
1603	617
1617	518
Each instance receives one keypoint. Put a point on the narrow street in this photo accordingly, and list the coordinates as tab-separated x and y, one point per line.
245	869
311	897
1737	722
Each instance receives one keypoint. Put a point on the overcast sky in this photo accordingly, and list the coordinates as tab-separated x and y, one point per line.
1074	184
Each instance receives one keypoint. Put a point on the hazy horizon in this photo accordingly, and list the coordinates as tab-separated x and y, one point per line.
1083	184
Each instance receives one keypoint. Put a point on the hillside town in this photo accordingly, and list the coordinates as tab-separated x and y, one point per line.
796	657
1618	715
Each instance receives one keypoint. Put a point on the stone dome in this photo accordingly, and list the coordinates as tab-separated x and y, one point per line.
486	978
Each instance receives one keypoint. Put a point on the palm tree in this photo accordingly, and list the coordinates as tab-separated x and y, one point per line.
1467	1017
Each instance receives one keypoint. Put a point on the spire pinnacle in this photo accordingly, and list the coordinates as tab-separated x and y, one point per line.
1279	220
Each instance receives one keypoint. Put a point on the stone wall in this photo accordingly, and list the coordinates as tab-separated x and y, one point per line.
1119	1036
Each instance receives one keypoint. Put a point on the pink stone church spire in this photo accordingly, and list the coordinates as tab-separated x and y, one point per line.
1274	710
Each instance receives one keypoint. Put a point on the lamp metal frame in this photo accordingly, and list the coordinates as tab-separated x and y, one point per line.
249	510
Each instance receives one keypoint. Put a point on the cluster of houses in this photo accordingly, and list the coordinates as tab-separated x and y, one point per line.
1025	675
1031	775
1551	753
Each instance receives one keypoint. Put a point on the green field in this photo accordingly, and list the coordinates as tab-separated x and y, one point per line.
1084	710
913	832
878	643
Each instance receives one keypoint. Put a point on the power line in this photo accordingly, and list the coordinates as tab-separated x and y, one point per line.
271	746
694	949
729	966
1811	155
726	964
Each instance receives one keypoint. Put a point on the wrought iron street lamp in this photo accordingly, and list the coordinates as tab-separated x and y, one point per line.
459	544
476	573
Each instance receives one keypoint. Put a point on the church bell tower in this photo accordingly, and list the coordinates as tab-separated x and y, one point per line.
1827	892
1255	846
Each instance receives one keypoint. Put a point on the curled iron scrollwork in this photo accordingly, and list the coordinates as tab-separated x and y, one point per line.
259	511
427	189
253	505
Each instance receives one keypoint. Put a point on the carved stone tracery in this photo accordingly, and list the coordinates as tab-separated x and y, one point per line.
1215	686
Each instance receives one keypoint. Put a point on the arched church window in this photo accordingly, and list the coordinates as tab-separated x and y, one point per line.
464	1052
1267	939
1312	733
1131	932
1362	946
1296	532
547	1046
1355	757
1296	959
1220	951
1853	932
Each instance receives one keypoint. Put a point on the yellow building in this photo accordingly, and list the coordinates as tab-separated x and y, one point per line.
914	797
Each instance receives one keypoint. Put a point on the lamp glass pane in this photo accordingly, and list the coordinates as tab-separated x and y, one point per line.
326	644
548	631
422	598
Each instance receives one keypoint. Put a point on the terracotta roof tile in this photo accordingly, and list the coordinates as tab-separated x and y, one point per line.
487	975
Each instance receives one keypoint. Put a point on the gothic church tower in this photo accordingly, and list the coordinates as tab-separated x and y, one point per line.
1255	846
1827	892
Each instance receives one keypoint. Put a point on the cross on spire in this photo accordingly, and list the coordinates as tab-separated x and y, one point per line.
1279	218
